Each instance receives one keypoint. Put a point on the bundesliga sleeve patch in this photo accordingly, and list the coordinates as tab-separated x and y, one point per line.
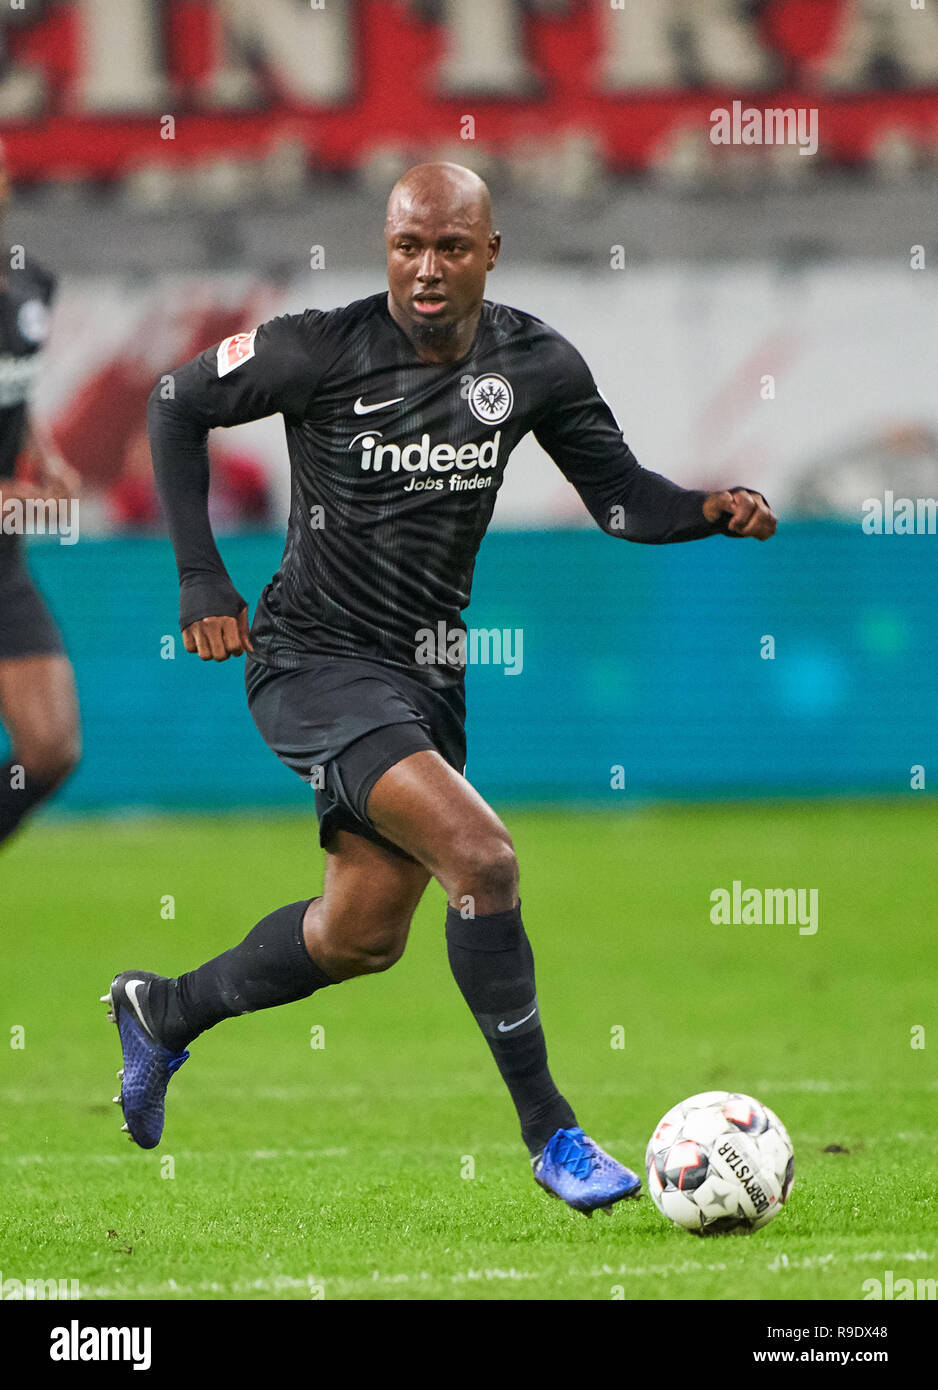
235	350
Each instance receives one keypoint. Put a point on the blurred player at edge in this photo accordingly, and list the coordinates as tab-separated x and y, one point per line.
400	412
38	707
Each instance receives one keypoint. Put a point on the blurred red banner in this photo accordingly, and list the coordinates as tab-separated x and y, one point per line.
95	88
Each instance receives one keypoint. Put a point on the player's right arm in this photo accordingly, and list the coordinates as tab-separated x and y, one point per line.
246	377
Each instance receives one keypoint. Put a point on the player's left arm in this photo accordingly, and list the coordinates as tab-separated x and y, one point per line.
46	474
580	433
49	474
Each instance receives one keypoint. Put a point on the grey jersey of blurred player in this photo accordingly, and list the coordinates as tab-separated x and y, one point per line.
38	707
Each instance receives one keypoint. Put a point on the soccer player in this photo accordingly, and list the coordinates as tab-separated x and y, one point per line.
400	413
38	707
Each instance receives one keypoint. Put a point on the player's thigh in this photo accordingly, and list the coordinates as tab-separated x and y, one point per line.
428	808
39	709
369	897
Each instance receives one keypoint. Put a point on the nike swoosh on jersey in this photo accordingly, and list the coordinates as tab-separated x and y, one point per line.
504	1027
361	409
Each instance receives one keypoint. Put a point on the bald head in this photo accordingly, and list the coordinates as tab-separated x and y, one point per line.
442	190
440	246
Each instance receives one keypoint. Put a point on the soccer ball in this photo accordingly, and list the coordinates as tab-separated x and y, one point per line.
720	1162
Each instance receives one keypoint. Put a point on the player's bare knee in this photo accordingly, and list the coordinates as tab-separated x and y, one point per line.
367	951
370	956
377	955
50	757
487	873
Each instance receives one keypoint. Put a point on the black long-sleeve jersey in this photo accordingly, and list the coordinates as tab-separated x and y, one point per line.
25	298
395	465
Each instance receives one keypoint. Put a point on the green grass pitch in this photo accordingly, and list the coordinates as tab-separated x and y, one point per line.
386	1164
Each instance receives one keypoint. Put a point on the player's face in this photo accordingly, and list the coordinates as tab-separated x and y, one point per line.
437	263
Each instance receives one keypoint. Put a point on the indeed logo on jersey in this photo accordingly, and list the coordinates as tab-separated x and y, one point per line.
419	457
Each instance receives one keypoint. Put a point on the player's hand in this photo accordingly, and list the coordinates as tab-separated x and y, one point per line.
749	512
52	476
55	477
43	487
215	639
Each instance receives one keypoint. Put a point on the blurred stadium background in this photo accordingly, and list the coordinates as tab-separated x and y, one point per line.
754	315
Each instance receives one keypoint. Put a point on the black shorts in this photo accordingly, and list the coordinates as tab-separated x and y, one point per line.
27	628
341	722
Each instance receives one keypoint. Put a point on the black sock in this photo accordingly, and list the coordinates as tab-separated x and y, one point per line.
16	800
271	966
492	962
